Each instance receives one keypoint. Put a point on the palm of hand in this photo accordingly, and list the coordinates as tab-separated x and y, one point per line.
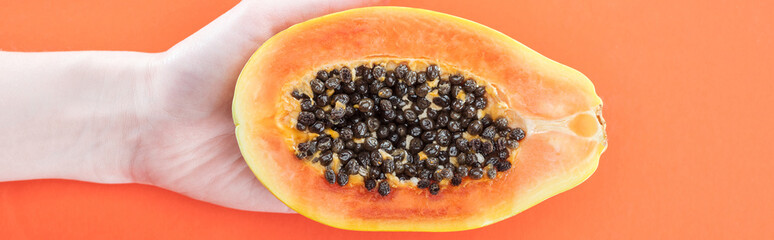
189	146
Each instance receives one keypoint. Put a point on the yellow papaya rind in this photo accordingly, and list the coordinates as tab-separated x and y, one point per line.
259	149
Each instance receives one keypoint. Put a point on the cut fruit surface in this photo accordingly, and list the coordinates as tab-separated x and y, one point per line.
555	106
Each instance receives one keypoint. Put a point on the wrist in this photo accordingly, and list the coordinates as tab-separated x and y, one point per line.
71	115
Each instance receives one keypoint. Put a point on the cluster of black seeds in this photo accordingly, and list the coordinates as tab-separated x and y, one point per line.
405	123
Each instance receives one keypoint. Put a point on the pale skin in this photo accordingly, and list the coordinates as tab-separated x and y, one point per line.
162	119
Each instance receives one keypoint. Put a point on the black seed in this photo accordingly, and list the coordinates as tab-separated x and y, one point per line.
463	170
432	149
469	112
453	151
433	72
434	188
442	101
462	144
345	155
343	178
437	175
501	123
447	173
384	188
469	86
474	144
443	157
322	100
401	70
385	92
443	137
370	144
513	143
422	103
410	171
390	79
416	145
317	127
386	145
415	131
373	124
491	173
423	183
326	158
517	134
361	130
330	176
337	145
378	71
307	105
348	86
470	99
428	136
306	118
421	77
491	159
399	168
455	91
342	98
361	87
456	181
389	114
383	132
345	134
475	127
442	120
425	174
298	94
332	83
476	173
486	148
480	91
318	87
457	105
338	113
426	124
504	154
370	184
346	74
501	144
454	126
486	120
489	132
388	166
322	75
503	165
422	90
431	163
480	103
455	79
366	105
320	114
324	142
300	154
410	78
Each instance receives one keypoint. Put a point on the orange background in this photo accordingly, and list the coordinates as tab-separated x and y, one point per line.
688	89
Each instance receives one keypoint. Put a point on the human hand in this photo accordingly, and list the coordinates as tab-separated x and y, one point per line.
187	141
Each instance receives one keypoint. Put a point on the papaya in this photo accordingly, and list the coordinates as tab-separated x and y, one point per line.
402	119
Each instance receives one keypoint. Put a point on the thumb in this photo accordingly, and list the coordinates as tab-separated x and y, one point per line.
228	41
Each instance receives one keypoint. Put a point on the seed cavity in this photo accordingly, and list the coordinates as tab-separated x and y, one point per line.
386	121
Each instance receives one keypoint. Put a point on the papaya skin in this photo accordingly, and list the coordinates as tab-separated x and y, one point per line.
561	150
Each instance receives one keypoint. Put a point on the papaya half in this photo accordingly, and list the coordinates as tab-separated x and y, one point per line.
401	119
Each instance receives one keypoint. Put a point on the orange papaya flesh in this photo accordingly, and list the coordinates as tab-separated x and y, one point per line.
556	106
